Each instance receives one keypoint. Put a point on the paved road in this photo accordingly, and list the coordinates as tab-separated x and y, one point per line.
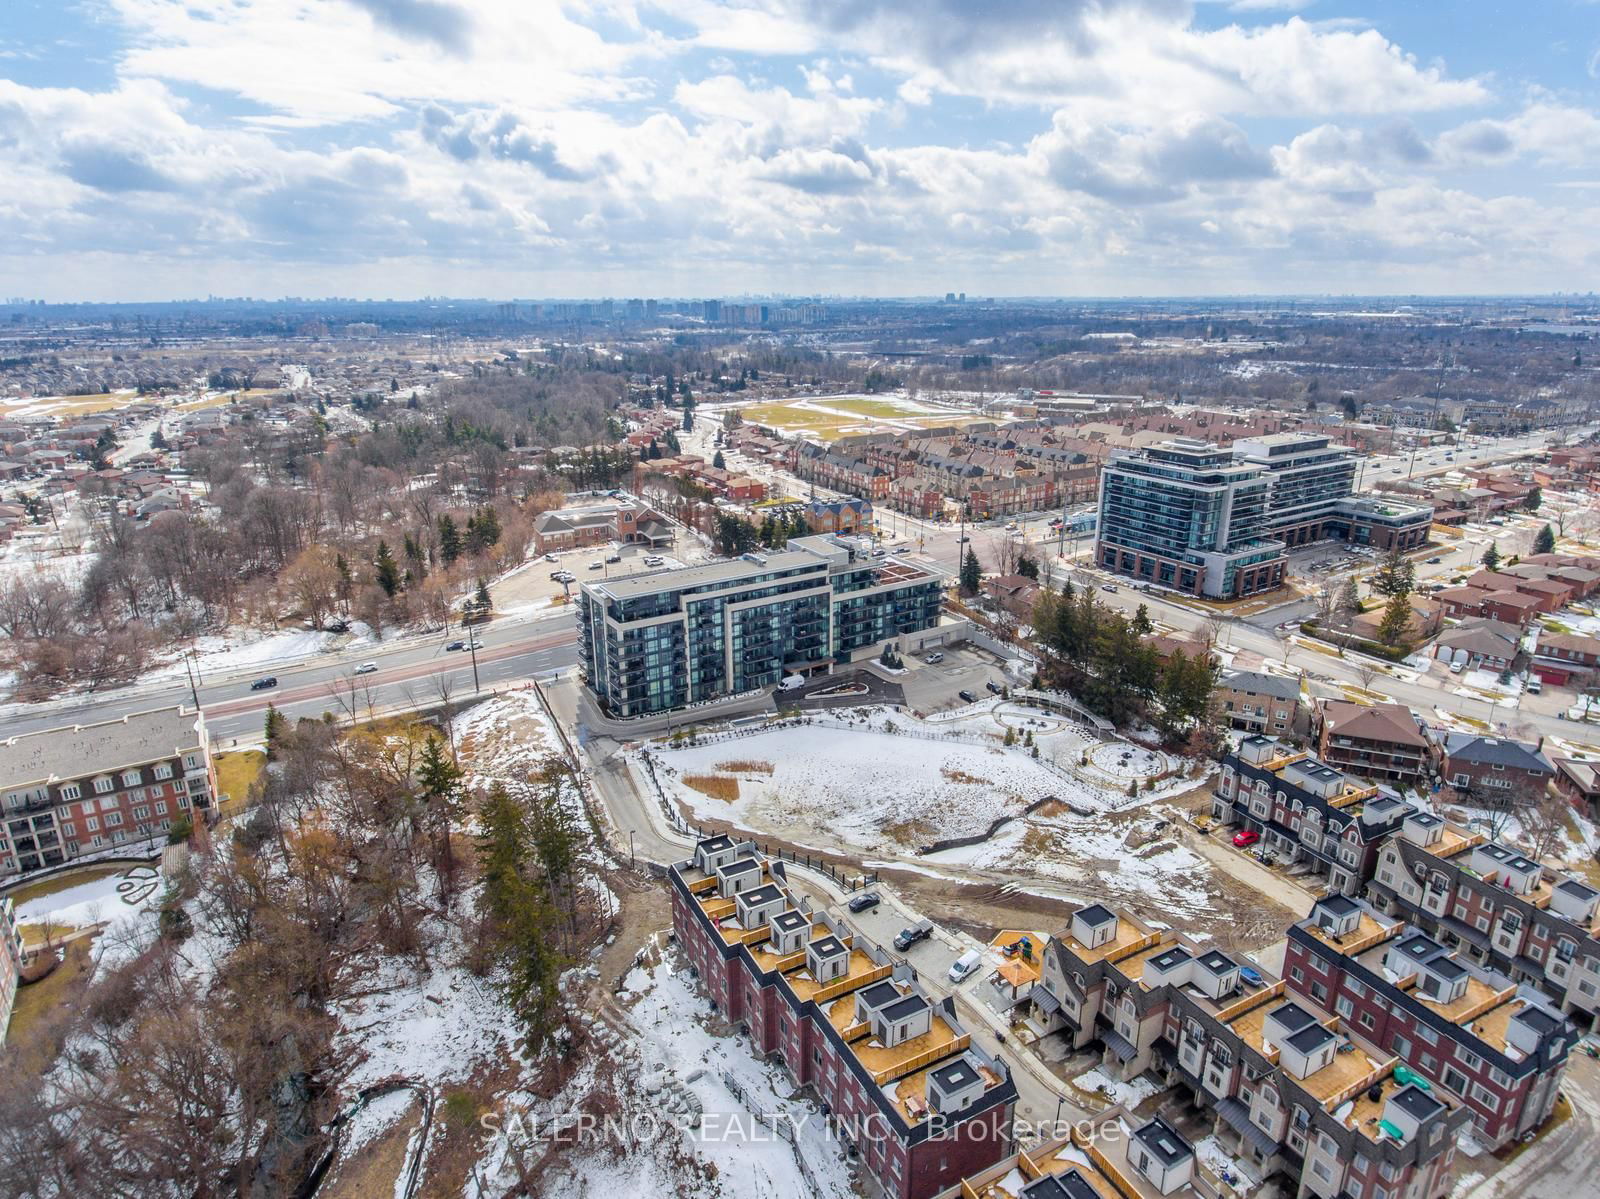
411	672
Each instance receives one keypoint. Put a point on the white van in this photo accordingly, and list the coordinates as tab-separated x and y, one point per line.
792	681
964	965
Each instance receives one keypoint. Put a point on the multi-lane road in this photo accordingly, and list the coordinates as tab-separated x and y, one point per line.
413	672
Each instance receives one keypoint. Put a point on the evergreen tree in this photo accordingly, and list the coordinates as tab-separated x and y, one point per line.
1350	597
1535	498
1491	557
1028	567
275	728
1396	575
414	555
718	462
449	540
971	573
688	418
346	580
440	781
1396	620
388	572
1141	621
481	600
1545	542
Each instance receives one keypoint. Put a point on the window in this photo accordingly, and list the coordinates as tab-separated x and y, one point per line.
113	819
1401	1047
71	791
1367	1020
141	813
1345	1007
130	778
91	823
163	771
104	785
1467	1058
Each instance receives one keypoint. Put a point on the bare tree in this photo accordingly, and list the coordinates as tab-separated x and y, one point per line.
1365	672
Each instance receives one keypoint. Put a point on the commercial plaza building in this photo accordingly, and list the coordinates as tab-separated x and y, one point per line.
657	641
1195	517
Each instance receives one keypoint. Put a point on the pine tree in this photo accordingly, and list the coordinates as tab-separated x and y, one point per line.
718	462
1545	542
449	540
440	780
1350	597
1535	498
388	572
276	725
1397	575
488	527
971	573
481	600
1491	557
1396	620
1141	621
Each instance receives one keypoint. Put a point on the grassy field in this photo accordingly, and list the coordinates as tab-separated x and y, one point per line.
31	1034
235	773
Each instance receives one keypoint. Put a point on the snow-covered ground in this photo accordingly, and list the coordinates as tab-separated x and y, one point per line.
112	899
1126	1094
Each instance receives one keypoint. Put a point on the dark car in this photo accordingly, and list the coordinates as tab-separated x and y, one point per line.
264	683
860	903
907	937
968	696
456	645
1435	561
994	687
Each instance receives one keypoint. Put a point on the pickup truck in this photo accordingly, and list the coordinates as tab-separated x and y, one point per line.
909	936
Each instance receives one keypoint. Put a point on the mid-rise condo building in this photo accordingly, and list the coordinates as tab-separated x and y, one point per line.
663	640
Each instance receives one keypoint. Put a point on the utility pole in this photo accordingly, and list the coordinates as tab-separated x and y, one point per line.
472	648
194	691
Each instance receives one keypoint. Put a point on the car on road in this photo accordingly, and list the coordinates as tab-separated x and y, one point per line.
367	668
556	575
994	687
1111	587
1245	838
862	903
933	658
262	684
967	696
964	965
551	558
454	645
907	937
613	557
1435	561
962	540
902	549
597	566
654	560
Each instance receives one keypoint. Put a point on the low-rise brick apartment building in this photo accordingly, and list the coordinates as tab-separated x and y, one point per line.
1306	811
10	963
899	1078
69	792
1382	742
1290	1087
1498	907
1498	1048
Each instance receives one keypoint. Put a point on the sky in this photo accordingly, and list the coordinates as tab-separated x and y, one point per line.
167	149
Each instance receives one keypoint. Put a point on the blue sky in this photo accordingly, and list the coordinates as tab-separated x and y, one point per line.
174	148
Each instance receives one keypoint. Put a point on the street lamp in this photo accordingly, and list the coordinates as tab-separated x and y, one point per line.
631	860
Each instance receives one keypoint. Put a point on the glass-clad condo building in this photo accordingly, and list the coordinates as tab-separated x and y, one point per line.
663	640
1186	515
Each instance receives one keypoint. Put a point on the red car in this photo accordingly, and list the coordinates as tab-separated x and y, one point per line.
1245	838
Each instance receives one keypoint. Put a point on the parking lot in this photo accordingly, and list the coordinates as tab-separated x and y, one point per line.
534	582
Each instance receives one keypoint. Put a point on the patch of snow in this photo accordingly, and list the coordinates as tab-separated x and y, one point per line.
1126	1094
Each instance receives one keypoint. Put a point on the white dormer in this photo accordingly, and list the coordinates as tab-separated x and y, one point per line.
1173	966
1506	868
787	932
827	958
954	1087
736	875
1575	900
758	904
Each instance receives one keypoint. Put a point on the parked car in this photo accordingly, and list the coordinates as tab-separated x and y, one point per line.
907	937
262	684
613	557
653	560
968	696
454	645
597	566
551	558
964	965
933	658
556	575
367	668
1246	837
1435	561
1534	685
861	903
1457	666
994	687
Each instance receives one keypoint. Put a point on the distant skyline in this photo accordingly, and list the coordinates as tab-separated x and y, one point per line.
163	149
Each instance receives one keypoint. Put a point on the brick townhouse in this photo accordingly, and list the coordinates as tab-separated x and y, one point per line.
72	791
1485	768
1290	1089
1479	643
1260	703
1383	742
1498	1048
899	1079
1114	1156
1497	906
1306	811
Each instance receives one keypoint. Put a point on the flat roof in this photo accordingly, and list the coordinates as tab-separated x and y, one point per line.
76	751
685	577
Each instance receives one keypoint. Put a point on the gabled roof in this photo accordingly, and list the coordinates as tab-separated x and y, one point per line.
1496	751
1262	684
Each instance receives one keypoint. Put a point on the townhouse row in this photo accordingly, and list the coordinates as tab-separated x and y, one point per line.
899	1079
